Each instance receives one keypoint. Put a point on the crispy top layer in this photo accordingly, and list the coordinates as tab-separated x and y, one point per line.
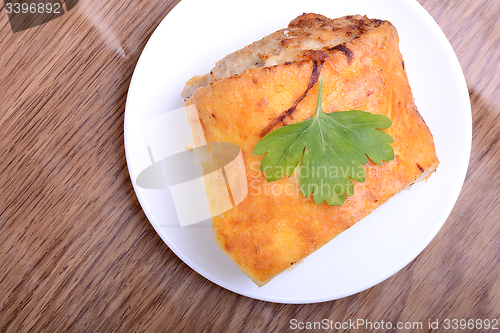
305	33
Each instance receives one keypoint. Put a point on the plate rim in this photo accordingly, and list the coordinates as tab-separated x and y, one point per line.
459	184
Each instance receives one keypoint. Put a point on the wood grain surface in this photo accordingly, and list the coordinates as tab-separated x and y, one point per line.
77	252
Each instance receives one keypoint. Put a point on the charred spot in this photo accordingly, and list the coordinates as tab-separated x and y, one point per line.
213	115
344	49
420	168
369	93
317	56
226	243
318	63
315	73
353	28
320	21
254	80
361	24
403	64
288	63
378	22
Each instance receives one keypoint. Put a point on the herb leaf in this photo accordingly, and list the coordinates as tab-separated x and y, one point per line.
331	149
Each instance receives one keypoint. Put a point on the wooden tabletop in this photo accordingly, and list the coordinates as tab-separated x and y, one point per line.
78	253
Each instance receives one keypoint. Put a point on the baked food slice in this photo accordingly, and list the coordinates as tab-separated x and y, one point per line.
274	82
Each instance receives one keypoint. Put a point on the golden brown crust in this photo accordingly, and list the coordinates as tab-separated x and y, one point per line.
275	227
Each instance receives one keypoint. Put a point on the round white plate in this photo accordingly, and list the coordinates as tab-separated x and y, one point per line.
197	33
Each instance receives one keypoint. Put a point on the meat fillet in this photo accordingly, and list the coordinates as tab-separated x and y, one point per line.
274	82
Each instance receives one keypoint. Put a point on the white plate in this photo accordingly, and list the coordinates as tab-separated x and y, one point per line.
197	33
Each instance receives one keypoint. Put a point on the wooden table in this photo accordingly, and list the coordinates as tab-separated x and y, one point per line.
77	252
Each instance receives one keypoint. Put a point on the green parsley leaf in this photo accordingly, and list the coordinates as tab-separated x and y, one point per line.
331	149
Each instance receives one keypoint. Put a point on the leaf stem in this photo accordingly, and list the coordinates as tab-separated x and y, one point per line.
320	92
